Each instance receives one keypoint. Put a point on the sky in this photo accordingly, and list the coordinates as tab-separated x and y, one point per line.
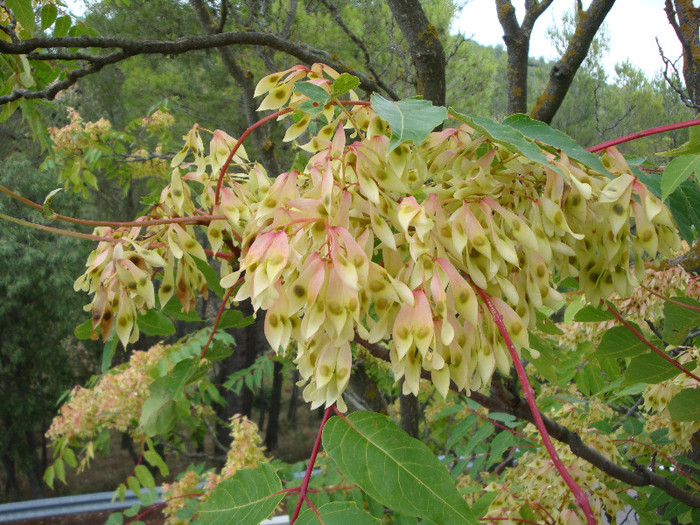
632	26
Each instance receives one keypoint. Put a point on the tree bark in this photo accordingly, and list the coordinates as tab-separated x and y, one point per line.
517	39
685	20
564	71
426	50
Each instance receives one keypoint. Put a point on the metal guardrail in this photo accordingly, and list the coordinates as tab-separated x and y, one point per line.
96	502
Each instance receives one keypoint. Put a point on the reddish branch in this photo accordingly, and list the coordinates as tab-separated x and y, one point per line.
577	491
654	348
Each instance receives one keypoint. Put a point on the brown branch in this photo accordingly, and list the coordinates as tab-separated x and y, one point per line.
637	478
562	74
128	48
685	20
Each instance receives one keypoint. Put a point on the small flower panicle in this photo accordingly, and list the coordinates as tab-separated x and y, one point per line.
246	451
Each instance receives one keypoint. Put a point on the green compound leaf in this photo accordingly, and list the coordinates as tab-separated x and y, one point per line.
155	323
536	130
506	136
650	369
678	171
679	320
692	147
619	341
246	498
410	120
685	207
398	471
337	513
685	405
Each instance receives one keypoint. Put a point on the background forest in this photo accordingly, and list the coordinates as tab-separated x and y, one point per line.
108	141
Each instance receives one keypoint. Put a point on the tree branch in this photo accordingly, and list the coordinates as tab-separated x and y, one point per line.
563	72
361	45
128	48
518	408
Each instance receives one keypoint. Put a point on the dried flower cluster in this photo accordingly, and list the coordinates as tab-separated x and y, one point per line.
385	241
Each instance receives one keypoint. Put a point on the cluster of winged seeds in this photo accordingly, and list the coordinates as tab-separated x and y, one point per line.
382	240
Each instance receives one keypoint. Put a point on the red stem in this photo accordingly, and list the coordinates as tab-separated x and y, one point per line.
218	318
668	299
529	393
312	461
247	132
644	133
654	348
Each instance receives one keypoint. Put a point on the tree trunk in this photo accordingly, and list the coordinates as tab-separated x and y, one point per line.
426	50
686	22
410	414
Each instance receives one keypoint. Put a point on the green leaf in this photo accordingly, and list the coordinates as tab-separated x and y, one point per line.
144	476
49	476
678	171
460	430
344	83
156	460
499	445
246	498
679	320
536	130
395	469
60	470
234	319
173	309
62	26
506	136
154	322
108	353
410	120
134	486
481	506
592	314
546	363
692	147
24	13
619	341
48	15
210	276
157	415
477	437
315	93
217	352
115	519
685	405
69	457
685	207
337	513
83	330
546	325
649	368
183	373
